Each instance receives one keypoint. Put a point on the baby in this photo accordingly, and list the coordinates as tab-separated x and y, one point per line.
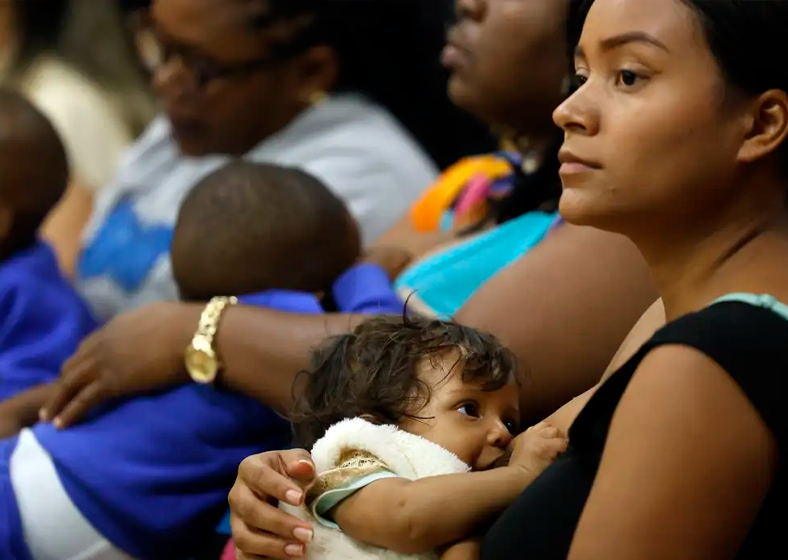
406	418
42	319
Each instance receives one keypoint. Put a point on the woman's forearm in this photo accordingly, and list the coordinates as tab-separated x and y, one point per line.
262	350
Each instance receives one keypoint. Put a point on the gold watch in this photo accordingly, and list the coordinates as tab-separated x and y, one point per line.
200	356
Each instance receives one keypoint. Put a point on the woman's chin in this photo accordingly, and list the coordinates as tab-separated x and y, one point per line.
584	209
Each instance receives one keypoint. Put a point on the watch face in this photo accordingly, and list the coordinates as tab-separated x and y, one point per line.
202	366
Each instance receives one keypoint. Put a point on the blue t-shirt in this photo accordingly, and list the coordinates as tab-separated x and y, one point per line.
152	474
42	320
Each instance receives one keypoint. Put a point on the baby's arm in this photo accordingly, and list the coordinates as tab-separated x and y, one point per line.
468	549
420	515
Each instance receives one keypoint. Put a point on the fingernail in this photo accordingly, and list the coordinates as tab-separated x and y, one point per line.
42	415
303	535
293	497
295	550
306	462
58	423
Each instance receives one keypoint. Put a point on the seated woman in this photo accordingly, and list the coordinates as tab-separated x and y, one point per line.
677	138
302	84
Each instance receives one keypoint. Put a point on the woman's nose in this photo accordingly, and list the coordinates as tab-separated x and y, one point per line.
576	114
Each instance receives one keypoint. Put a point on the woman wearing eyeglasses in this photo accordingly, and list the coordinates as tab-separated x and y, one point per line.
296	82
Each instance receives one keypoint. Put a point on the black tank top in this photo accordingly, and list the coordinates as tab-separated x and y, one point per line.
750	342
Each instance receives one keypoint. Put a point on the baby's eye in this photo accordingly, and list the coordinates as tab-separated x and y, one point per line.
469	409
512	426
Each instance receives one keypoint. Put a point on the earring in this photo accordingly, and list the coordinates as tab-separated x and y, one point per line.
317	97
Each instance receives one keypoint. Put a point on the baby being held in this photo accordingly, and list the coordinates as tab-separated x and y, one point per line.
406	419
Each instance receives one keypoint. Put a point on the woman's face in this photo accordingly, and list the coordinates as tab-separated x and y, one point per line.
508	61
650	136
251	95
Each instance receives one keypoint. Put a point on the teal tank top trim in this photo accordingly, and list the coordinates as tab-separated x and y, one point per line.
440	284
758	300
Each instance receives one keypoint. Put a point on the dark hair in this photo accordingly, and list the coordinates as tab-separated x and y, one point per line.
251	227
373	372
743	35
33	167
389	50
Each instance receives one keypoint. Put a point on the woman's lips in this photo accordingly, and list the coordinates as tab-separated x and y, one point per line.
454	56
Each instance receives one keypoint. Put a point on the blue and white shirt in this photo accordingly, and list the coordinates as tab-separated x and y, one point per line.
353	145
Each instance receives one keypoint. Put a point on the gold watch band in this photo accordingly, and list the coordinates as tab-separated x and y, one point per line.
200	358
211	315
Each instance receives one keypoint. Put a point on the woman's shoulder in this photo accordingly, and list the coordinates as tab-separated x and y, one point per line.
351	127
743	335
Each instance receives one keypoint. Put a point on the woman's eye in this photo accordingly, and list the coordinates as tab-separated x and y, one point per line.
469	409
579	80
627	78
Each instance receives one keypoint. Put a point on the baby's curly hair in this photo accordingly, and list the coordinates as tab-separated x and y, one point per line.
373	372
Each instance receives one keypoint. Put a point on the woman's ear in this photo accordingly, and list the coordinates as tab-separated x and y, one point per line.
767	126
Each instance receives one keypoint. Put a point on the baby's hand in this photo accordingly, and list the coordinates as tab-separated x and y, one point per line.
536	448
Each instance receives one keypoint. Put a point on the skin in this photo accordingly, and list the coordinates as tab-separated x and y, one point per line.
232	114
658	494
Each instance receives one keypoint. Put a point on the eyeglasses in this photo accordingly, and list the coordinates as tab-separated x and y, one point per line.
155	52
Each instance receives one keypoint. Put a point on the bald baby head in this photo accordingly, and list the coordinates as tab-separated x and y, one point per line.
33	169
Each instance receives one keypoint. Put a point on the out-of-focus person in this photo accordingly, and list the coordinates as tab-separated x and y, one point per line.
306	83
72	59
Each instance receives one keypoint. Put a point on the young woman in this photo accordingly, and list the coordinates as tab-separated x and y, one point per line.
677	138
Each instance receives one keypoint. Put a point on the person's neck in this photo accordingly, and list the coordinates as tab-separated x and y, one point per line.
695	263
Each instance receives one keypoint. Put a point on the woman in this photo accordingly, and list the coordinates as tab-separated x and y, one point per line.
305	83
564	307
73	60
677	454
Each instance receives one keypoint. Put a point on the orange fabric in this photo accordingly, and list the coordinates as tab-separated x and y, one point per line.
426	213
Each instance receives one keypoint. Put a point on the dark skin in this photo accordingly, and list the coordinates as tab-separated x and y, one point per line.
256	94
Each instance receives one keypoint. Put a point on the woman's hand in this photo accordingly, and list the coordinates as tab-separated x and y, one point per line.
135	352
391	259
260	528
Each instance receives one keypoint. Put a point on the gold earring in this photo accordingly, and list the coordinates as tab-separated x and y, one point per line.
317	97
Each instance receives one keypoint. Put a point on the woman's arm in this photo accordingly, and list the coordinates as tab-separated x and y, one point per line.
63	227
564	309
687	464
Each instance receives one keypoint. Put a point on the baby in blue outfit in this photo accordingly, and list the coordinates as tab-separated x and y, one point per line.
42	319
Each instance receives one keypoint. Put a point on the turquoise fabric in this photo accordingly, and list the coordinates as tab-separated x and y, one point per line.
443	282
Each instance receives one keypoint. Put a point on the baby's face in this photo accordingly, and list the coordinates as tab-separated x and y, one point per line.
475	425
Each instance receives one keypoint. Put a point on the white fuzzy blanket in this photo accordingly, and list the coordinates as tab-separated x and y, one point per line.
408	456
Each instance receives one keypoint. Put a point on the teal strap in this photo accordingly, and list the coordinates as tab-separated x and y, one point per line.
325	502
758	300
